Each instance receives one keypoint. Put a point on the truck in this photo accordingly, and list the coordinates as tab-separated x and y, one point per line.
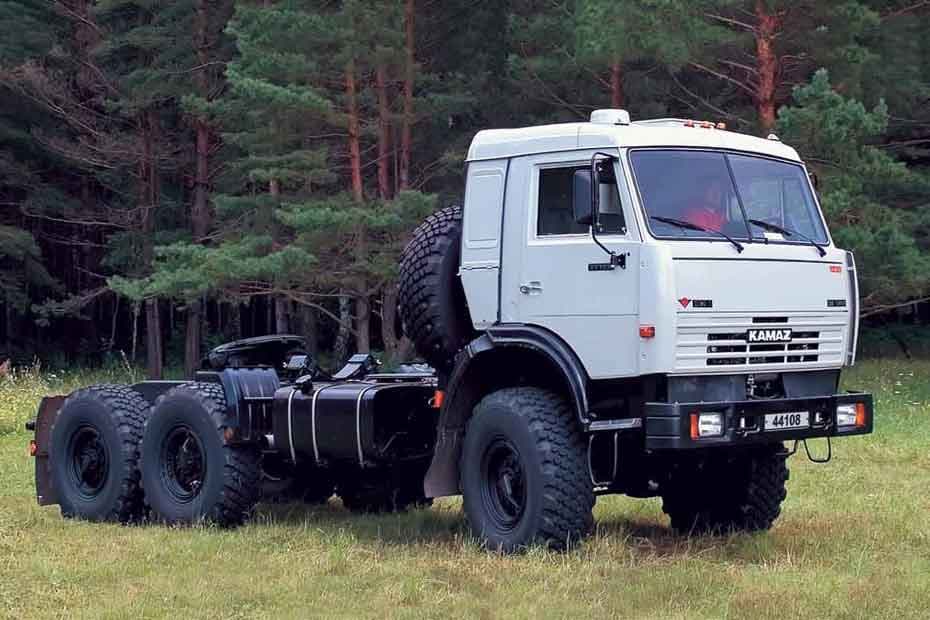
651	308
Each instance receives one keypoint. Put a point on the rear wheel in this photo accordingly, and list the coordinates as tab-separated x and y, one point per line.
94	453
524	473
189	472
731	491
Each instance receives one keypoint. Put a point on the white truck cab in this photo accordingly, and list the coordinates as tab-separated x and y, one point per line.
650	308
683	299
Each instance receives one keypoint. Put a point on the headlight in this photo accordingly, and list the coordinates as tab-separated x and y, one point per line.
850	415
706	425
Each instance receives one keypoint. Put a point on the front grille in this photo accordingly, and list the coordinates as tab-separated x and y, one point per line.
720	340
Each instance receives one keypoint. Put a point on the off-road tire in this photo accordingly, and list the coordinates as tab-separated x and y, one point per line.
557	497
231	482
729	492
431	299
115	414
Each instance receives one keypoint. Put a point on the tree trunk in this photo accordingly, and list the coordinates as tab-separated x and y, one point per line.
355	151
384	134
200	227
192	338
406	132
282	315
767	65
114	322
308	327
397	347
341	346
277	308
153	349
135	331
363	324
8	320
616	85
148	179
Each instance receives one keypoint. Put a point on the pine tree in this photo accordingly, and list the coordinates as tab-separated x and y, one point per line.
875	204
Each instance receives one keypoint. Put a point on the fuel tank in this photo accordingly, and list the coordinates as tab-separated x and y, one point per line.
363	422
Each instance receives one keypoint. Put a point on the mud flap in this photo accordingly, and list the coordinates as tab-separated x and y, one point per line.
46	494
442	479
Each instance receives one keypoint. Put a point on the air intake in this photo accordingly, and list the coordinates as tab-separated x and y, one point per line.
610	117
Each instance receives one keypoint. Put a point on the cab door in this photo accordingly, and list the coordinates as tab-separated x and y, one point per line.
555	278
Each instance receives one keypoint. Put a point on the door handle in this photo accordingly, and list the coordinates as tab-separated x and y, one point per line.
533	287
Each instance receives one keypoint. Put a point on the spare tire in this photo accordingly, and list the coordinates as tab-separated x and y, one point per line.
431	298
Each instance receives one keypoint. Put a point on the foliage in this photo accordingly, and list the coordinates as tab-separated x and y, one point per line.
202	167
876	204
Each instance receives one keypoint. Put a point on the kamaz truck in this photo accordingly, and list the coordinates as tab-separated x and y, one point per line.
651	308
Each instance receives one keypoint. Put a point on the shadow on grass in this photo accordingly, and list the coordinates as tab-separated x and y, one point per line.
439	525
444	526
657	540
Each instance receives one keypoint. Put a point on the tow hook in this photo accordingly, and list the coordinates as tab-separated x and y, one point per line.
807	451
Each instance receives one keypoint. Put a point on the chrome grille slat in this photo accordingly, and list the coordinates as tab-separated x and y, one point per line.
718	342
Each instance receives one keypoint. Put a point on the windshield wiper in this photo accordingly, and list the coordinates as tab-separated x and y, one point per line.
788	233
692	226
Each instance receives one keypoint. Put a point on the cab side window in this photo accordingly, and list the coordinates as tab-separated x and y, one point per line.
554	207
555	203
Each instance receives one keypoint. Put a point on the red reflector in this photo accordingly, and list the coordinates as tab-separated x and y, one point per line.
33	447
836	269
694	426
689	123
647	331
438	397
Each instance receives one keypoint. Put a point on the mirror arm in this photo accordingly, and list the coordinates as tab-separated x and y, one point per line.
615	259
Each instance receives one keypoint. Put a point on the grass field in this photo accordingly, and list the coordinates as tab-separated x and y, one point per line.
853	542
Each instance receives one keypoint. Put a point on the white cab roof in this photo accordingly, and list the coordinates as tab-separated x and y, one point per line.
504	143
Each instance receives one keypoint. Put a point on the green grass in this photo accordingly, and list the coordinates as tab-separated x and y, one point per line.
853	541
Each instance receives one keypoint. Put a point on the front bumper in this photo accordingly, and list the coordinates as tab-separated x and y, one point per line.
668	425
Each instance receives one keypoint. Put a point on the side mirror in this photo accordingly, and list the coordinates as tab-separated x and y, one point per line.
582	198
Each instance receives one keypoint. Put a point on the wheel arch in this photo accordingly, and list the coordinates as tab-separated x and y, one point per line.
503	356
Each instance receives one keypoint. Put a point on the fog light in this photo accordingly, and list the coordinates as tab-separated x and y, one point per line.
846	415
706	425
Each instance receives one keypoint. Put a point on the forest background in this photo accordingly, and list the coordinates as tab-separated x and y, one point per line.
174	174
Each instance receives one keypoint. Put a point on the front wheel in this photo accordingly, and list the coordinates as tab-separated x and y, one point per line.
728	491
524	473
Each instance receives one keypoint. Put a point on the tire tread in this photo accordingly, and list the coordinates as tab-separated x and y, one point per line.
129	410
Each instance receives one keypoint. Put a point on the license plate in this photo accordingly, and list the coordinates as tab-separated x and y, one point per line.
787	421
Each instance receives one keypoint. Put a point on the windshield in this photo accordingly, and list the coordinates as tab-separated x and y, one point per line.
697	187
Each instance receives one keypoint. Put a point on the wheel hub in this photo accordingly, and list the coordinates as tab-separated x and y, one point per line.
183	464
504	493
89	464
